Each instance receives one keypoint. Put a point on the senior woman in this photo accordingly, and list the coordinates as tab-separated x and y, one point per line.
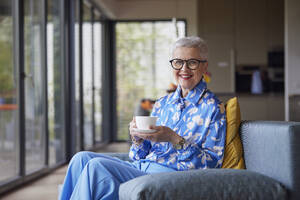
189	134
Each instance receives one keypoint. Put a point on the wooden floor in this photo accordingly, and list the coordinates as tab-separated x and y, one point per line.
46	188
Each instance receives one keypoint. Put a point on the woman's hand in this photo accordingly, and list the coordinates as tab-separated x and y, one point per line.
161	134
135	139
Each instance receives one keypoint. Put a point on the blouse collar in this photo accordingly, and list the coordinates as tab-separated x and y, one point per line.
193	96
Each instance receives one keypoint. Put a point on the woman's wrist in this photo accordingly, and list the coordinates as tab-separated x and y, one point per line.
178	141
175	139
136	141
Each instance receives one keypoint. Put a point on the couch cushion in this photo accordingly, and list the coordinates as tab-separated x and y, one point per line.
209	184
233	157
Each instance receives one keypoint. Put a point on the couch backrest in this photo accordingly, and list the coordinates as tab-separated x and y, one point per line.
273	149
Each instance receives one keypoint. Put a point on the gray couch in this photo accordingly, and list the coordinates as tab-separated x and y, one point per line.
272	158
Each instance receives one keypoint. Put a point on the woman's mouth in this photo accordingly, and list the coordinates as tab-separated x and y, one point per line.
185	76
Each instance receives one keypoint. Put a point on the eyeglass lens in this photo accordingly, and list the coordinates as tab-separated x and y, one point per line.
191	63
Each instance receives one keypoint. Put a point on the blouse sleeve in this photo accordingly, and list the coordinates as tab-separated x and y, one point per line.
204	147
138	152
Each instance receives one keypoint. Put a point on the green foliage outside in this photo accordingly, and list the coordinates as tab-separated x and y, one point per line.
128	67
6	79
6	60
136	70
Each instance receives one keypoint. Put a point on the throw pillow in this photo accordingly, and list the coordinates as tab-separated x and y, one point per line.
233	156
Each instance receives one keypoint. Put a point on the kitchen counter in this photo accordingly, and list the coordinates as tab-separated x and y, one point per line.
266	106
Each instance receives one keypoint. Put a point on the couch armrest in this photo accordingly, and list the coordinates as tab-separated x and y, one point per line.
273	149
202	184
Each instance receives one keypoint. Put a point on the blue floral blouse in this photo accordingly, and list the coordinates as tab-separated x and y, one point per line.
199	118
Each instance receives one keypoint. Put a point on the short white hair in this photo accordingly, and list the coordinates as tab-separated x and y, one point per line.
192	42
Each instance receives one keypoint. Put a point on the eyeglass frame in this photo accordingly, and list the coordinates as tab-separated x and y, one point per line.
186	61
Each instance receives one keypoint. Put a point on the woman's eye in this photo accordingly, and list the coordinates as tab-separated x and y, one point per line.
192	62
178	62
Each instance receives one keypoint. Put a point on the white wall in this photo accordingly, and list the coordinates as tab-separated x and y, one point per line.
292	51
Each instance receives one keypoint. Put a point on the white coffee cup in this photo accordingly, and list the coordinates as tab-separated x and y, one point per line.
144	122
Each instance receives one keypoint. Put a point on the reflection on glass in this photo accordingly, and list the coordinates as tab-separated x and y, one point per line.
55	84
8	95
143	69
97	78
87	76
34	90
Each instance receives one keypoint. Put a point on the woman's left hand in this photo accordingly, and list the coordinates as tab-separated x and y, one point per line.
162	134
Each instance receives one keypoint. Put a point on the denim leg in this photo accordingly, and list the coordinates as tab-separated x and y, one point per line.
101	178
76	165
81	164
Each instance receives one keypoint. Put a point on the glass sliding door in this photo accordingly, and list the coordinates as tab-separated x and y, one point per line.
87	65
34	85
8	96
97	33
87	72
55	72
50	57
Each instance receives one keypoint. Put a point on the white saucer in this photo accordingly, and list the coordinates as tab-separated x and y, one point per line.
144	131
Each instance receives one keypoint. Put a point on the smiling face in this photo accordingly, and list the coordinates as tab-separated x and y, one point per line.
186	77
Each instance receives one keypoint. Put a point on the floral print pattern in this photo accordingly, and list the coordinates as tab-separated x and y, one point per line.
200	118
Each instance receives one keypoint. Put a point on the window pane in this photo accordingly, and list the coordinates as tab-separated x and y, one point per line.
87	76
34	86
97	77
143	69
8	95
55	84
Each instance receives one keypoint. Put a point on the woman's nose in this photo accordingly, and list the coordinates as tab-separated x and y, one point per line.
184	66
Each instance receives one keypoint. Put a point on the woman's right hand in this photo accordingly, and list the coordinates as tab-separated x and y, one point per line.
132	125
135	139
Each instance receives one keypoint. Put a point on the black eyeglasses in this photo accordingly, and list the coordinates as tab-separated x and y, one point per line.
192	64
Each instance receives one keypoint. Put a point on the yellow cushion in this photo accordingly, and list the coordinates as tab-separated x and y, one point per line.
233	157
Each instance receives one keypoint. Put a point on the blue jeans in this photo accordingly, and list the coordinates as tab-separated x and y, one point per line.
96	176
